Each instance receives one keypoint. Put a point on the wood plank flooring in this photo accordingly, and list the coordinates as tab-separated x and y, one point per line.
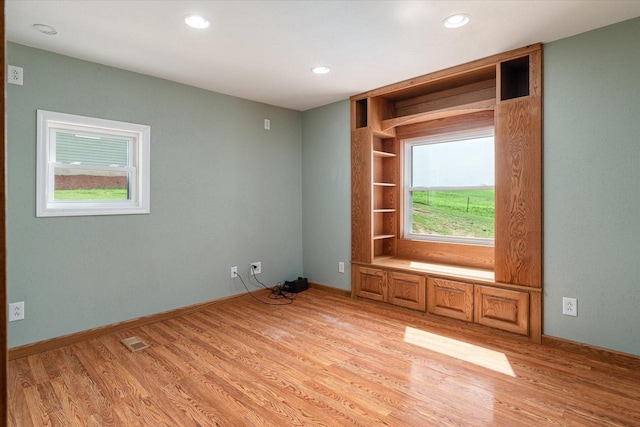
325	360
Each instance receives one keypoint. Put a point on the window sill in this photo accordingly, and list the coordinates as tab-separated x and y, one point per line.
447	271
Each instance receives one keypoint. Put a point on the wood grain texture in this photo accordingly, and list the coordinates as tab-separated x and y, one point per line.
421	103
330	289
502	309
3	234
380	109
407	290
471	121
449	298
40	346
446	271
361	197
456	254
325	360
482	67
518	236
442	113
371	283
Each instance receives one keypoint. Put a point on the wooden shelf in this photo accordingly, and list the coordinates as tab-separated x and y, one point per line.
386	133
384	236
504	92
458	110
377	153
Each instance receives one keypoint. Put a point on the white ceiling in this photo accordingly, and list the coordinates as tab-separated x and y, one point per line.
264	50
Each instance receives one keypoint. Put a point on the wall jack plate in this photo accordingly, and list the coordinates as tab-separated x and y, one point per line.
14	75
569	306
16	311
256	268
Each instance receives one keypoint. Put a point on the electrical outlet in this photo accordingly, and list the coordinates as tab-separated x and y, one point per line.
16	311
341	267
14	75
256	268
234	271
569	306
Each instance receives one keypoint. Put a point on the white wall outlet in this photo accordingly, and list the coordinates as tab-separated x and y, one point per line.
234	271
16	311
341	267
569	306
256	268
267	124
14	75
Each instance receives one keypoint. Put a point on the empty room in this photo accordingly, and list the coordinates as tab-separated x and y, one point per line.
320	213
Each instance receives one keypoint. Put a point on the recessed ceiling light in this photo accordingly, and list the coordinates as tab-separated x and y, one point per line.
323	69
45	29
196	21
456	21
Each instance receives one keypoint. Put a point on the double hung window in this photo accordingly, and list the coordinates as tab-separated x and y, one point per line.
89	166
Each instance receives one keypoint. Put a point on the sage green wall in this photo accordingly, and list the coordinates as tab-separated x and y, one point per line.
592	186
224	192
326	194
209	151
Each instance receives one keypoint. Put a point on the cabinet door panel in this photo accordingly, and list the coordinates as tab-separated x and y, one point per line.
371	283
502	309
407	290
451	299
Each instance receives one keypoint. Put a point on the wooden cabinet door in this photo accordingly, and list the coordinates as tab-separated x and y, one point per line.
371	283
502	309
407	290
451	299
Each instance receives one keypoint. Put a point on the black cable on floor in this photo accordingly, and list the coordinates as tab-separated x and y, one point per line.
274	290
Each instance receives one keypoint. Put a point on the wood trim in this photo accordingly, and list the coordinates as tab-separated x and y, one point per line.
600	354
518	239
3	232
427	116
444	271
449	72
471	121
535	315
50	344
361	197
330	289
472	256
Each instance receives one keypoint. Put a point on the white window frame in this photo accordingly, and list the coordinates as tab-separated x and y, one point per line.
408	189
138	166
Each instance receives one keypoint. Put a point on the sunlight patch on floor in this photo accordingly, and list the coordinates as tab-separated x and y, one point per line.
480	356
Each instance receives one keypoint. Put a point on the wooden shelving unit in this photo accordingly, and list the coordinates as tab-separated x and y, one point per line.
503	92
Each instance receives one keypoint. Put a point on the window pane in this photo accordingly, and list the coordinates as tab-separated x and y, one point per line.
91	150
466	163
78	184
460	213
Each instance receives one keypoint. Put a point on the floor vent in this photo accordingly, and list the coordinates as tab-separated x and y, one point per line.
134	344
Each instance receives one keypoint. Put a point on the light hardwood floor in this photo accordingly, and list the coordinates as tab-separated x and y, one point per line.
324	360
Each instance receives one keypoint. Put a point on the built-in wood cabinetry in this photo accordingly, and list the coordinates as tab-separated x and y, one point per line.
498	286
450	298
402	289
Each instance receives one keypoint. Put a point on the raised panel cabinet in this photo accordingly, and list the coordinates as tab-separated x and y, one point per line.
502	309
371	283
450	299
407	290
